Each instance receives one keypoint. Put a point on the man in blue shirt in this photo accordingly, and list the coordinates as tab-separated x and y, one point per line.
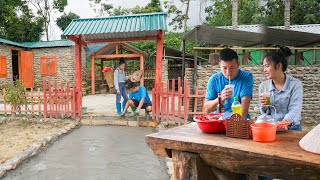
139	98
242	81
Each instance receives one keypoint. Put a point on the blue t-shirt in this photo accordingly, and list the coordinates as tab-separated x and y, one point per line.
243	86
141	93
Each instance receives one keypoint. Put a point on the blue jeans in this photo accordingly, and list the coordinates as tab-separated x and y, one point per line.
123	93
293	128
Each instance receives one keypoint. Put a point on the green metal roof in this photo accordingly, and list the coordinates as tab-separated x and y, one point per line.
40	44
5	41
48	44
136	25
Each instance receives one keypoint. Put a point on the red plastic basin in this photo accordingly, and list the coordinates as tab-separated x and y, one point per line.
263	132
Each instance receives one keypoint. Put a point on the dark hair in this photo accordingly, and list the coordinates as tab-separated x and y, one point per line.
228	54
122	61
279	56
131	85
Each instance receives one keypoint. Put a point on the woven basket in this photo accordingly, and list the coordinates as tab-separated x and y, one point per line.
237	127
109	78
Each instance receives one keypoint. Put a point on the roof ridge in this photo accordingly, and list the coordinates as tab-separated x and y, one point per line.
122	16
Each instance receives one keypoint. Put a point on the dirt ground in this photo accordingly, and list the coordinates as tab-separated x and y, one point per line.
18	135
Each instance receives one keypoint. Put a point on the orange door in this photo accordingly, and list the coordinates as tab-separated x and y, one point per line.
26	69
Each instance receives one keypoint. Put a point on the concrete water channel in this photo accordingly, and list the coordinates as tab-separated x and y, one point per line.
96	153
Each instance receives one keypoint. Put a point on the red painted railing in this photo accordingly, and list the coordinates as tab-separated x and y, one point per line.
54	100
172	105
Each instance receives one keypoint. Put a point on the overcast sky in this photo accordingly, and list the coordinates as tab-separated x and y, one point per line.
82	8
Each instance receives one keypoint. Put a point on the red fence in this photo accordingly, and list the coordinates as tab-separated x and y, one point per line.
54	100
177	106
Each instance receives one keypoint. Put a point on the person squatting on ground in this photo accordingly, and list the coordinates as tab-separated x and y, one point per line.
119	82
139	98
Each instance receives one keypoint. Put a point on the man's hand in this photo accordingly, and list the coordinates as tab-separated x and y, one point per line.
226	93
118	91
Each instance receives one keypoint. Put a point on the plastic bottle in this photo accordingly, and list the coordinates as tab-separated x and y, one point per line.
236	106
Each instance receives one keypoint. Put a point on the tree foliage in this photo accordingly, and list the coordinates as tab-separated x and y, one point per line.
178	16
268	12
302	12
45	10
17	22
220	13
152	6
64	20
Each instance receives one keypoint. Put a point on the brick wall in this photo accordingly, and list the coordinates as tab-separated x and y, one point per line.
309	75
5	50
65	63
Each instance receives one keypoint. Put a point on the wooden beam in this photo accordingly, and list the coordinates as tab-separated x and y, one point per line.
142	69
152	38
117	56
107	47
76	39
93	89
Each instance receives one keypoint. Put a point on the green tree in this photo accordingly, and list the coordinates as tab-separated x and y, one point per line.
45	10
101	7
64	20
17	23
152	6
220	13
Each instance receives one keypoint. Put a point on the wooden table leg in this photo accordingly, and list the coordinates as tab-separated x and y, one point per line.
189	166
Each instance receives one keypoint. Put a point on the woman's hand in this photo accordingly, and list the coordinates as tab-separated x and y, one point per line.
284	127
118	91
263	101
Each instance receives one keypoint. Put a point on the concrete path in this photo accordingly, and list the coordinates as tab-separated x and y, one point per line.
96	153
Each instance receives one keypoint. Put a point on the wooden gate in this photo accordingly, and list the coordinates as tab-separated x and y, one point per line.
176	106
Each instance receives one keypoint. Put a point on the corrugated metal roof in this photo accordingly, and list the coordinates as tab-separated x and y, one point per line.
48	44
136	25
309	28
253	35
40	44
5	41
92	48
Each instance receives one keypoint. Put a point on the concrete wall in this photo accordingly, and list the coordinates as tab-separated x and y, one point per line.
65	63
309	75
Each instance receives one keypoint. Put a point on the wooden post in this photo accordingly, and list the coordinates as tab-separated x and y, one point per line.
78	78
159	57
183	59
158	75
32	103
45	107
39	102
142	69
179	100
101	73
187	165
4	101
92	75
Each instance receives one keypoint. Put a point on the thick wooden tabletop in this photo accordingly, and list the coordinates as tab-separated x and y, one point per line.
282	158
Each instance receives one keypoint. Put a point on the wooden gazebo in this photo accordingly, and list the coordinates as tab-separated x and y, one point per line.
137	27
114	51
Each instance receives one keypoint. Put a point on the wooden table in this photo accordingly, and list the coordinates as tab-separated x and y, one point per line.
197	155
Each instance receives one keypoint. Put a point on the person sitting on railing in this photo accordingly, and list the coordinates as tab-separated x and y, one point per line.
230	82
138	99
